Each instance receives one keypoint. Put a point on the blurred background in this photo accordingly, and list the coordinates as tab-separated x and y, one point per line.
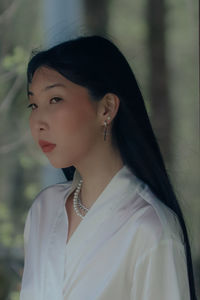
159	38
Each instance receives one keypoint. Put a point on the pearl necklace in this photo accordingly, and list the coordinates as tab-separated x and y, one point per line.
77	202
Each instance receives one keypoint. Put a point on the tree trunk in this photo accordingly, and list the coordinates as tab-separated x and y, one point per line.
96	16
158	76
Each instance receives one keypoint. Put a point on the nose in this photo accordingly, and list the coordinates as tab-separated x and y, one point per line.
41	125
38	123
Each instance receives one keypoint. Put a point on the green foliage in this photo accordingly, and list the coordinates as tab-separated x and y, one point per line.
4	212
6	233
30	190
18	181
26	162
16	60
14	295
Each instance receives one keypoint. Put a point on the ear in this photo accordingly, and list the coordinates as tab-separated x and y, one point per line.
108	107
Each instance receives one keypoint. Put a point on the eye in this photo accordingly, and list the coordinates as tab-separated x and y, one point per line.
57	99
31	105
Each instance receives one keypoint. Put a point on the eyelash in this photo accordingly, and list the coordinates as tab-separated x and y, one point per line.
30	105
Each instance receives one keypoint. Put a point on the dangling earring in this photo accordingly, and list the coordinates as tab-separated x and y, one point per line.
105	130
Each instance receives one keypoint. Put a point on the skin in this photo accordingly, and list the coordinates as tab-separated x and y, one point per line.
76	125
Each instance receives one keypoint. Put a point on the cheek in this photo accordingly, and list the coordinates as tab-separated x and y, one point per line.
78	122
77	134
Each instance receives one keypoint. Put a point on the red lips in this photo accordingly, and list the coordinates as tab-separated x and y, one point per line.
46	146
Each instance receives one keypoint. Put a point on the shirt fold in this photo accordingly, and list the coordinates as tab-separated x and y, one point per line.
101	259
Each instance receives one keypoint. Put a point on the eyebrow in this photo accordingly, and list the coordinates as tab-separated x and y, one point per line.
47	88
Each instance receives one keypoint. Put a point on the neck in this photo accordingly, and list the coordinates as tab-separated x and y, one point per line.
96	178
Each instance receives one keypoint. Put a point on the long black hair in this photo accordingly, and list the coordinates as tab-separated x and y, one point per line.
96	63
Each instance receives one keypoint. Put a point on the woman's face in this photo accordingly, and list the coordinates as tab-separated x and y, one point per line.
62	114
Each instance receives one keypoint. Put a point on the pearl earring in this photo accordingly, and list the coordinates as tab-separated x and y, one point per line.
105	130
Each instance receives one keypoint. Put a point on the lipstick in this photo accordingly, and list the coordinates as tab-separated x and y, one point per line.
46	146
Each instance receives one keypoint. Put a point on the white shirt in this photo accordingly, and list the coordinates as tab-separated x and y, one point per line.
129	246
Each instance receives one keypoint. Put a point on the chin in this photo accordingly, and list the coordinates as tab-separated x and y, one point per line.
60	165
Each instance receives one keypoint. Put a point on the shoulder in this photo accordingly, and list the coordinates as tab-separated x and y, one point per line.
49	197
156	221
156	231
45	206
44	210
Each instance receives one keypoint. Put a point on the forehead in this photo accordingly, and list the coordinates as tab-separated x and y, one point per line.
46	78
44	75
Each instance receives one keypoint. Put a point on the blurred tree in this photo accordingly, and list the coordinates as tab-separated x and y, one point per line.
158	75
97	16
15	177
20	28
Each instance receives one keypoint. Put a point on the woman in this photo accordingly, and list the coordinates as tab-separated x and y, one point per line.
114	230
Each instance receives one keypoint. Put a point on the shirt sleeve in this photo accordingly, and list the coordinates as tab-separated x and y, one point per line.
161	273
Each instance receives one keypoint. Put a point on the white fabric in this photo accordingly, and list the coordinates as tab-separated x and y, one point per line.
129	246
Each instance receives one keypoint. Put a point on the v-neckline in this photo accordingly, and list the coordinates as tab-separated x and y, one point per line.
96	205
67	216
